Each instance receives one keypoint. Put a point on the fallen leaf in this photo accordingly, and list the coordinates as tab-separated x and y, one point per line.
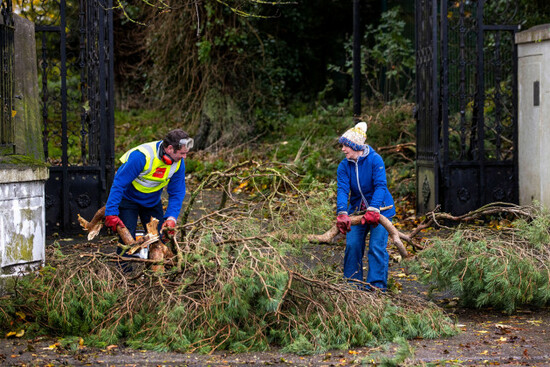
53	346
239	188
11	333
20	333
13	113
485	352
503	329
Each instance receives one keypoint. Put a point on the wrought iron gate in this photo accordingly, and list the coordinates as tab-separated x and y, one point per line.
75	51
7	83
466	92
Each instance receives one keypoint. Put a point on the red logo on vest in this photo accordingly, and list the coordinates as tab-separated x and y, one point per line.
159	172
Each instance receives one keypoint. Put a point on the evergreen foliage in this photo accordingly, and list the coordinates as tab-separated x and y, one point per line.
501	268
251	303
234	287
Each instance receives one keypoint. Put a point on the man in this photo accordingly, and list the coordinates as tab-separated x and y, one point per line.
138	184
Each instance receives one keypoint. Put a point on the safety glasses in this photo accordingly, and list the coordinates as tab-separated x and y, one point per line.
188	143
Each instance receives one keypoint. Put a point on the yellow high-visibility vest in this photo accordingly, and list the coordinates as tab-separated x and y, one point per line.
155	174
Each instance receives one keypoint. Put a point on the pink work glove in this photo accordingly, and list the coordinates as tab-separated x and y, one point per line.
169	226
343	223
371	217
113	221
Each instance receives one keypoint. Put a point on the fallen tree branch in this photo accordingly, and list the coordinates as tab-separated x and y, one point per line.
228	173
118	258
329	235
435	216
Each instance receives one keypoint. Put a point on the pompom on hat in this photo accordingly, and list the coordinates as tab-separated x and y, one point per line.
355	137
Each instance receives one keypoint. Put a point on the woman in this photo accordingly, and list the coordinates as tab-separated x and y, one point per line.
362	186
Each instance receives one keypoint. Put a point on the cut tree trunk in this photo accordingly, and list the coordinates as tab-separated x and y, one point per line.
94	226
157	249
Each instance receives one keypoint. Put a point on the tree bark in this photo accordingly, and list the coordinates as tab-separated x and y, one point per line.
94	226
329	235
157	249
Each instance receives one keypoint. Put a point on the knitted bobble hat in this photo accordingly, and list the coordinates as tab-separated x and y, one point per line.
355	137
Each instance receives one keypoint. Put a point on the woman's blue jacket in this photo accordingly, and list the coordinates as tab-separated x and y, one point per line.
363	180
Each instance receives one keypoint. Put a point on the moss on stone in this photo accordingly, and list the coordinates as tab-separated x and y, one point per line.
21	248
20	161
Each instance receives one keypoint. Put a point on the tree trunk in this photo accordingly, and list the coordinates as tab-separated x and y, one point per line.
157	249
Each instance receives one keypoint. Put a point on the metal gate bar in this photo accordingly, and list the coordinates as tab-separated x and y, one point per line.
7	82
427	94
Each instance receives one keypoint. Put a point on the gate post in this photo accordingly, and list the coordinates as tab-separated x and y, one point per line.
356	59
534	109
427	106
23	172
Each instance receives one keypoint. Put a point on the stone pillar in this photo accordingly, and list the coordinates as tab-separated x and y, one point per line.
534	115
27	120
23	175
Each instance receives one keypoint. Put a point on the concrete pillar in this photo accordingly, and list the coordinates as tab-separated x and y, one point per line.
22	219
534	115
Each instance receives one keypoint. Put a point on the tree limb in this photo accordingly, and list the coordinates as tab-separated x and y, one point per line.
329	235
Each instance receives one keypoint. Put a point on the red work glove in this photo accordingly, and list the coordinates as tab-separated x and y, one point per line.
113	221
343	223
371	217
169	226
